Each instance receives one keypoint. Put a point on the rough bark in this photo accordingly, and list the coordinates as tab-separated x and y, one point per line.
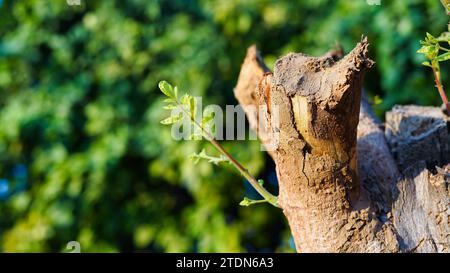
312	109
420	142
414	131
376	166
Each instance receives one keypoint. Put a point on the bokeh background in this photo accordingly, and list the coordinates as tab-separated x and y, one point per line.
82	154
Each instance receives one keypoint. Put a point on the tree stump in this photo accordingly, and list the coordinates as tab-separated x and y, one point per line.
339	184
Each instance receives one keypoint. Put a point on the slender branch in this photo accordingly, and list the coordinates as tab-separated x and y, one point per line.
172	93
272	199
441	90
251	179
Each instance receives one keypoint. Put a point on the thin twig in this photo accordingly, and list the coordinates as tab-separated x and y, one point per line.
272	199
441	90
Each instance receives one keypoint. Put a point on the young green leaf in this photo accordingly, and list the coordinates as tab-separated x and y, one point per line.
427	64
167	89
207	117
444	37
377	100
248	202
175	92
172	119
443	57
261	182
196	136
430	51
169	107
211	159
192	106
169	100
431	38
185	99
431	48
424	49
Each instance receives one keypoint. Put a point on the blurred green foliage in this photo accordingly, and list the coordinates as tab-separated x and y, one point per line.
82	153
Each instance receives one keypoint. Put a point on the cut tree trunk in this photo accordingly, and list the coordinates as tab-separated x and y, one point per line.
339	185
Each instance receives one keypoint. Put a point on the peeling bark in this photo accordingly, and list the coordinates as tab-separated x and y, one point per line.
333	201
